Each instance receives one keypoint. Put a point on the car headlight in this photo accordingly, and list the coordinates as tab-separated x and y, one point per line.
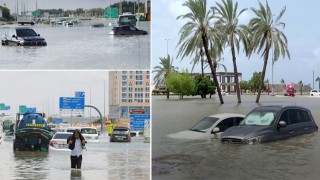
253	140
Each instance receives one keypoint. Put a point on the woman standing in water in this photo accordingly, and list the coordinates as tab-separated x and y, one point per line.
76	144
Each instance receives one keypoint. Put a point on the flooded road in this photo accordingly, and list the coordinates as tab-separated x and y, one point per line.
79	47
103	160
295	158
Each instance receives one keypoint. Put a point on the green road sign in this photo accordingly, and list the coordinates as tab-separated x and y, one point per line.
22	109
111	13
36	13
2	106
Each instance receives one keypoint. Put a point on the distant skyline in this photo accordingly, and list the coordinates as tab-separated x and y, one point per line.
56	4
301	30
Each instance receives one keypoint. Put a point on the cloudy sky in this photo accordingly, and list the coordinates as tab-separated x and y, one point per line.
42	89
64	4
301	29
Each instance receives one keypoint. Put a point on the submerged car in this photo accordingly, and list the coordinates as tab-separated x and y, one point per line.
120	134
90	134
59	141
127	30
210	127
315	92
271	123
22	37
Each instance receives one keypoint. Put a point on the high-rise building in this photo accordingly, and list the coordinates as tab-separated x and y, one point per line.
129	93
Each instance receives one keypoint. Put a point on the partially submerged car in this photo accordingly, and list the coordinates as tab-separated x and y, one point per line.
127	30
120	134
59	141
90	134
271	123
210	127
22	37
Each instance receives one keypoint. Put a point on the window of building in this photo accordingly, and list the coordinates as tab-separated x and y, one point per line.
124	112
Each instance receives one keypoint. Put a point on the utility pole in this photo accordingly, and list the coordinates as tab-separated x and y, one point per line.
167	45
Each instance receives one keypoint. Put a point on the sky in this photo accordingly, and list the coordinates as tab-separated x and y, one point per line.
42	89
64	4
301	30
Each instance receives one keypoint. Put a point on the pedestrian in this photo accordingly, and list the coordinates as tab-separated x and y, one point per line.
76	144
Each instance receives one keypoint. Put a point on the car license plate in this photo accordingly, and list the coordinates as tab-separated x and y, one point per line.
61	145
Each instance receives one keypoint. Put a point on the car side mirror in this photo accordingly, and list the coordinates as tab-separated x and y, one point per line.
13	36
215	130
38	34
282	124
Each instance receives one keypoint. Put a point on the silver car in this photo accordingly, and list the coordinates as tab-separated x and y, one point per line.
210	127
59	141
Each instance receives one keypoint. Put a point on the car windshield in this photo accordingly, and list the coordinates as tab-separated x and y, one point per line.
61	136
26	32
259	118
88	131
204	125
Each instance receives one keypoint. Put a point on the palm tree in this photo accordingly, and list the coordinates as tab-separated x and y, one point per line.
232	32
283	85
300	86
198	31
163	71
266	34
318	79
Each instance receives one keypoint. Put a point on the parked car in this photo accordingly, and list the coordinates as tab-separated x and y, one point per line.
22	37
59	141
271	123
315	92
210	127
136	135
120	134
127	30
72	129
90	134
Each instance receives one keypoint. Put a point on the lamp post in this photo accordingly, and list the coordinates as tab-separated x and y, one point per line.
104	100
167	45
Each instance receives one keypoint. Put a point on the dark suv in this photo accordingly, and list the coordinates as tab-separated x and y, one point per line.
127	30
271	123
120	134
22	37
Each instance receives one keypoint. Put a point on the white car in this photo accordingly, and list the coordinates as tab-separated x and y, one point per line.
59	141
210	127
315	92
90	134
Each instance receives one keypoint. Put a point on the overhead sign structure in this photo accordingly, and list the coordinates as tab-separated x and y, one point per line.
2	106
137	121
71	103
7	108
57	120
22	109
111	12
79	94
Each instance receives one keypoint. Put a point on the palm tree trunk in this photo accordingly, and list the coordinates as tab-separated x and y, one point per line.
235	69
265	62
168	93
213	67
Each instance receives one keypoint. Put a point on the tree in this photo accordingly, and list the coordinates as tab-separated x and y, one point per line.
265	34
181	83
244	85
283	85
255	81
198	31
163	71
5	12
203	86
232	32
318	79
300	86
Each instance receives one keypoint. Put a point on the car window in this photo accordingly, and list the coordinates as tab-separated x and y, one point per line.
133	28
238	120
225	124
26	32
88	131
259	118
204	125
61	136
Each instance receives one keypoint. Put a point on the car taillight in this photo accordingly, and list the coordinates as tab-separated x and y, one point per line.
52	143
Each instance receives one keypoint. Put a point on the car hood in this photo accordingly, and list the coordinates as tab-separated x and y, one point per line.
32	38
242	132
191	135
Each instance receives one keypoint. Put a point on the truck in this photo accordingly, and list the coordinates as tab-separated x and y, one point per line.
289	90
31	132
25	20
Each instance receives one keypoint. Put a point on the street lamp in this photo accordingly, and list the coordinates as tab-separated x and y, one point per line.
167	46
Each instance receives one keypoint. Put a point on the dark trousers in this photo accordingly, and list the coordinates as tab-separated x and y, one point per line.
76	162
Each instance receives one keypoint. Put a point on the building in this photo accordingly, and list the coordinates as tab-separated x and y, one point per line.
148	9
129	93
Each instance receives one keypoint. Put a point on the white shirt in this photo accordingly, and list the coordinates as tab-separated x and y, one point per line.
77	151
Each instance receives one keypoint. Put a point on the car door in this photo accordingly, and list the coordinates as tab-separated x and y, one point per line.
303	121
223	125
289	130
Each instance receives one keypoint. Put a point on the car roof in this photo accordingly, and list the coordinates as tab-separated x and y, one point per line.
226	115
120	127
279	107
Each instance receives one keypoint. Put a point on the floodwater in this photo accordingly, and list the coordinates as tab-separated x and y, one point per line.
295	158
79	47
103	160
